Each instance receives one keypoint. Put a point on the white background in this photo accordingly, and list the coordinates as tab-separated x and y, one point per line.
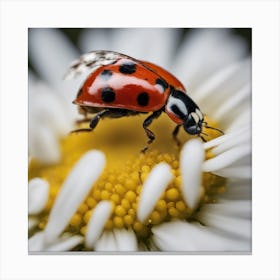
262	16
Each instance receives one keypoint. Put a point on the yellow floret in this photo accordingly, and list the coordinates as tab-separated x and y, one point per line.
109	224
120	189
122	180
120	211
130	196
180	205
155	217
118	222
83	208
125	204
87	216
137	226
172	194
91	202
83	230
173	212
128	220
115	198
76	220
161	205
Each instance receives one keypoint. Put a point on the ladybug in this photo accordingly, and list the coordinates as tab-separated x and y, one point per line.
119	85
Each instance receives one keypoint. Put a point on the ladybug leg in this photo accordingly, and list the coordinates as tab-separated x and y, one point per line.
94	121
175	133
149	133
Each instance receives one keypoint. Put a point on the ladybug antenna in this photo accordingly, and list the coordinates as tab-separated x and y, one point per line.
210	127
202	138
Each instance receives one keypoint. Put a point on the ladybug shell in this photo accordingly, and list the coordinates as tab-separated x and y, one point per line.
128	84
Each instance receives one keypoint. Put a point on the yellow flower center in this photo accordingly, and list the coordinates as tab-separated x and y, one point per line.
127	168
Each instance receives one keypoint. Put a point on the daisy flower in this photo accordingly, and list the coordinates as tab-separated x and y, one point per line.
97	192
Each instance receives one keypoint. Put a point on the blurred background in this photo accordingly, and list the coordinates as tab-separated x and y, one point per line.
194	56
75	36
74	33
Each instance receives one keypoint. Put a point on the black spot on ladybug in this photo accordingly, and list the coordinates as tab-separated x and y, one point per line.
162	83
108	95
128	68
106	74
143	99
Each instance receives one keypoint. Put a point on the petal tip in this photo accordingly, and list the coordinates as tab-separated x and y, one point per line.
157	181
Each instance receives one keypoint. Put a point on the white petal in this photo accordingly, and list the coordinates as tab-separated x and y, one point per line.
226	159
49	120
126	240
243	161
157	181
160	41
244	138
73	192
106	243
38	193
65	243
192	156
216	80
238	190
51	53
241	172
240	120
94	39
97	221
205	51
222	221
227	137
221	86
43	144
231	105
49	109
36	242
234	209
182	236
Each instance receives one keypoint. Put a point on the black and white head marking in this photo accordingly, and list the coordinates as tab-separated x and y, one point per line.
92	61
180	104
177	103
177	107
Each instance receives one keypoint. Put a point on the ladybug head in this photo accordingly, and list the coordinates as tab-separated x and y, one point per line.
193	123
181	108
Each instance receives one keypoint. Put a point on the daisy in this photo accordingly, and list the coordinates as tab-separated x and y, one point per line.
95	191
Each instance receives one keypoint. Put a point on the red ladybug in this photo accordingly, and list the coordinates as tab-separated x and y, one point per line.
120	86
